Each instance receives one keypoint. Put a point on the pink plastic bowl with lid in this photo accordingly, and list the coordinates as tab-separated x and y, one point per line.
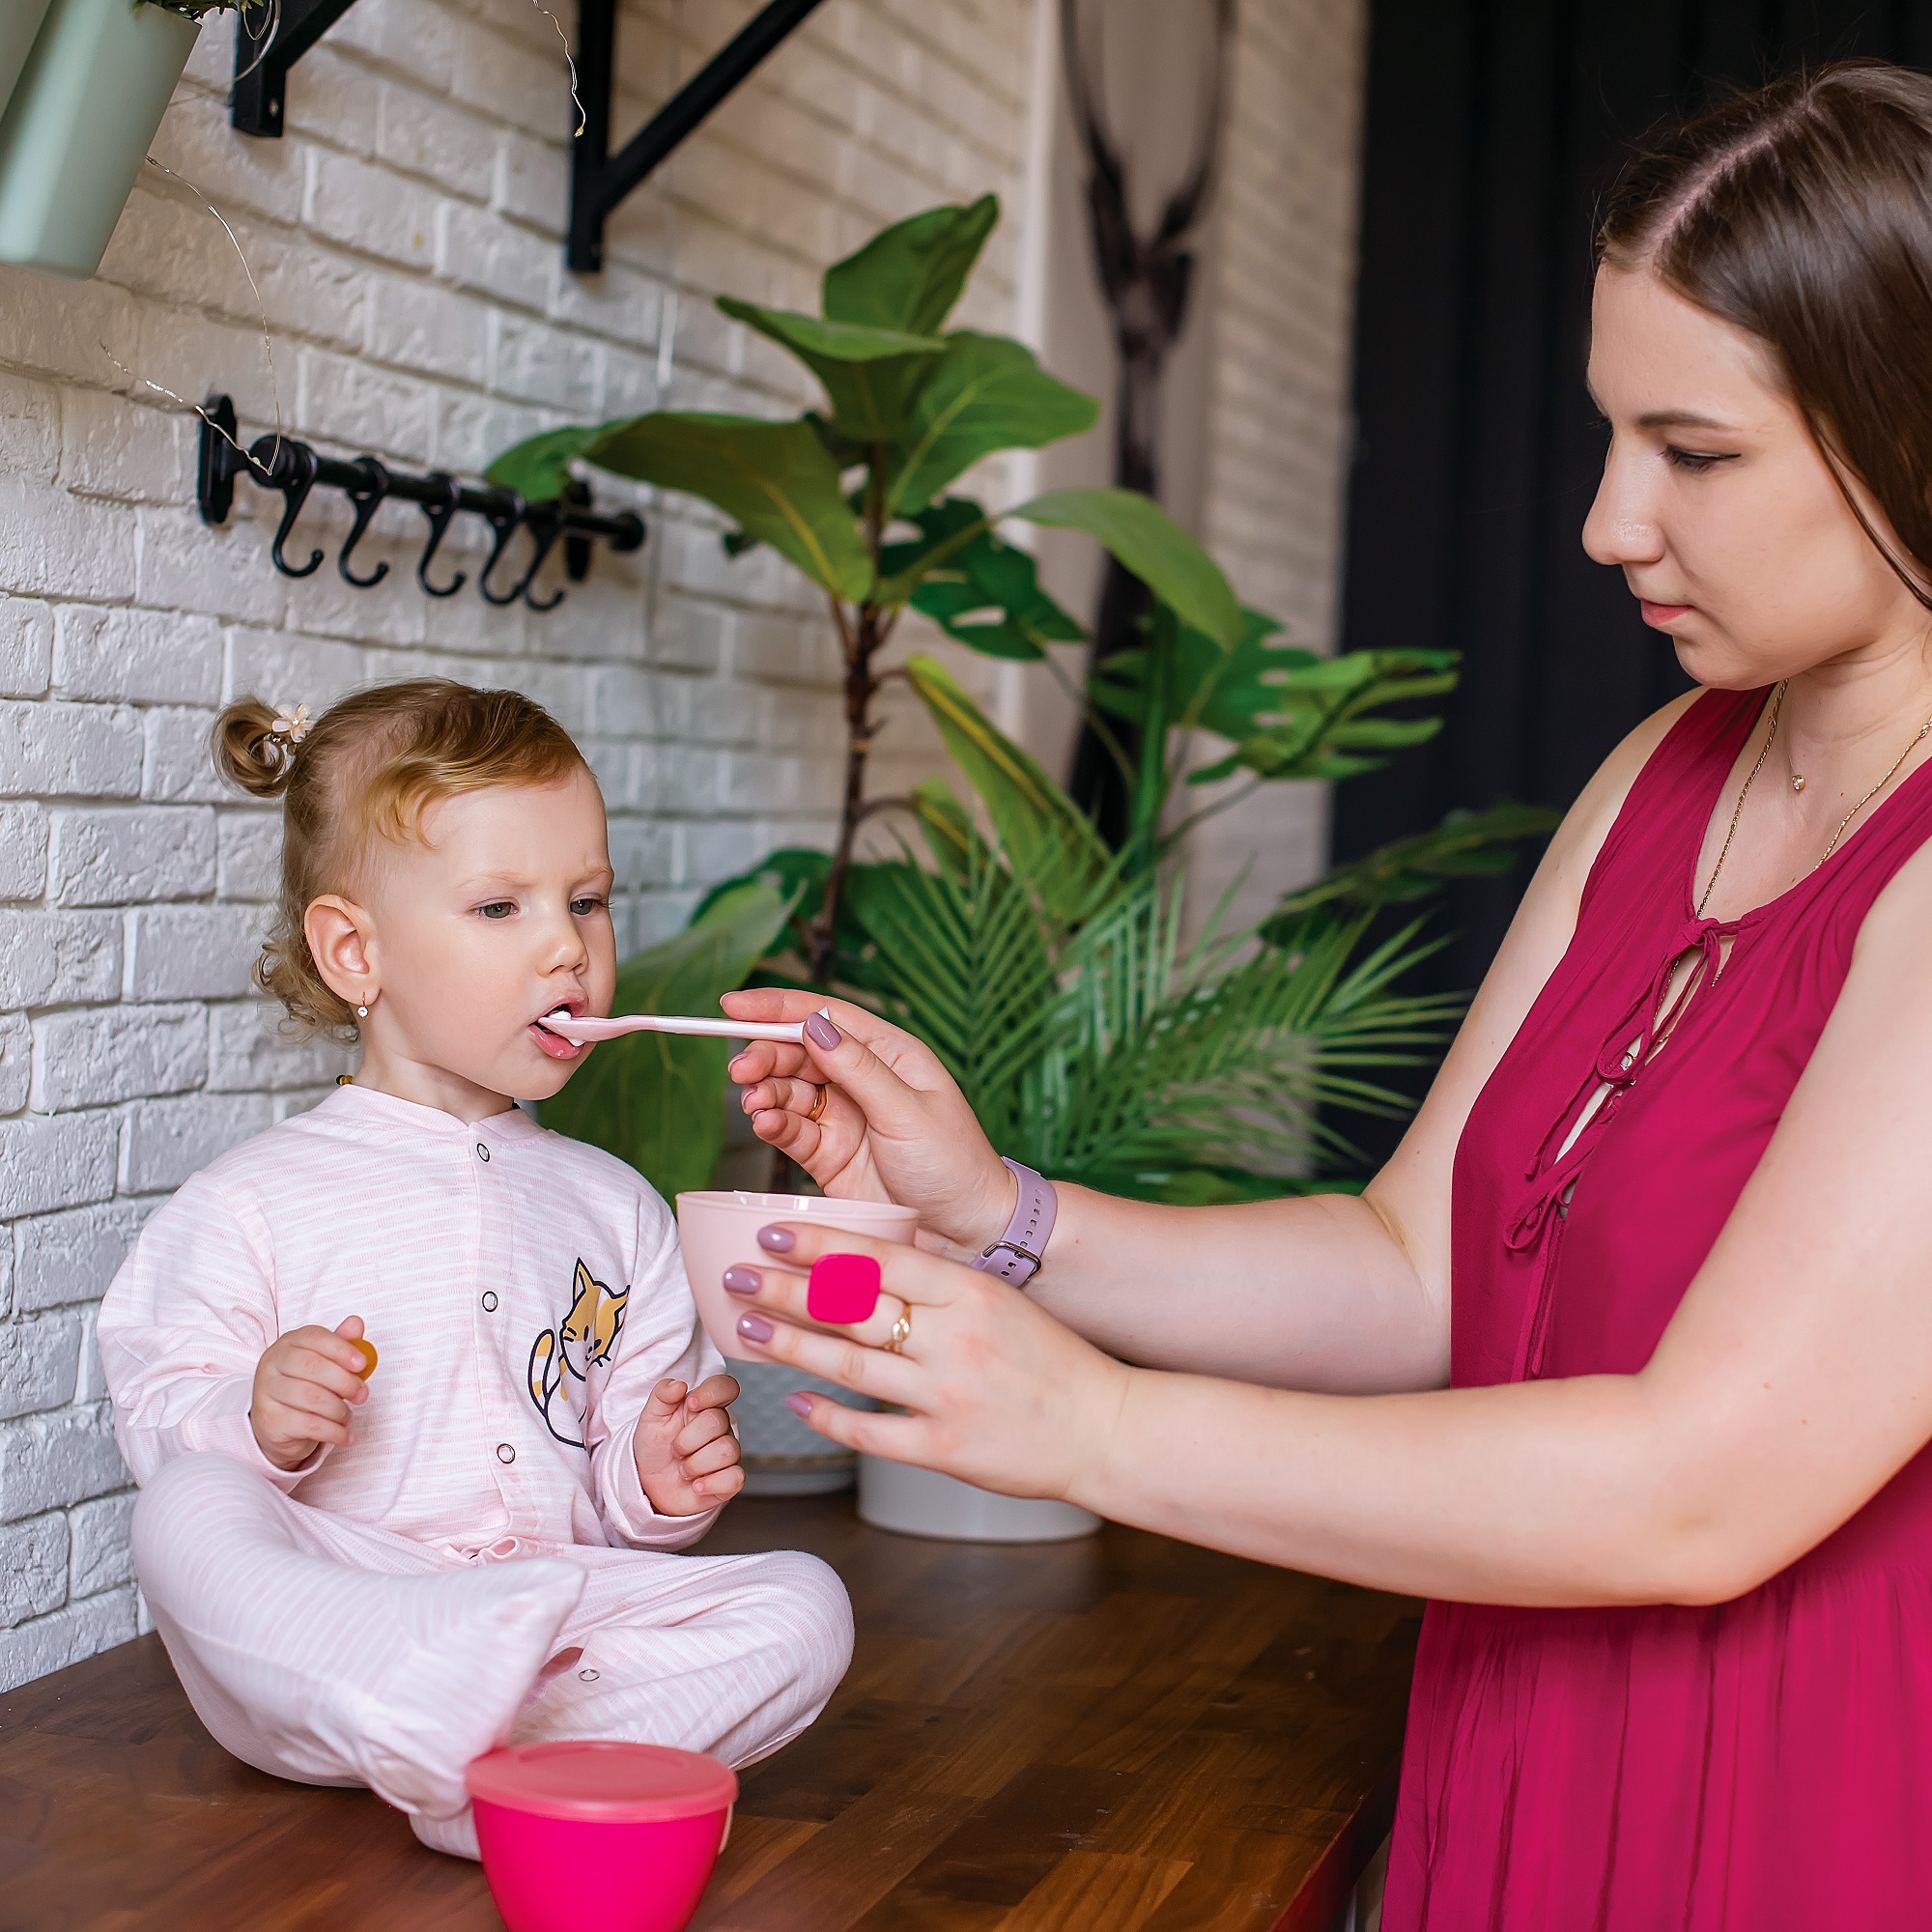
597	1836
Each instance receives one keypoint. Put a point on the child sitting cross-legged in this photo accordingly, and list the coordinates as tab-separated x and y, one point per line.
371	1576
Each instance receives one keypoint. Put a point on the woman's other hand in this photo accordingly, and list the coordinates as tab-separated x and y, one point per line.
995	1391
895	1126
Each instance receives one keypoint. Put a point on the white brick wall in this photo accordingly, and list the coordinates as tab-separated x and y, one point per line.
405	238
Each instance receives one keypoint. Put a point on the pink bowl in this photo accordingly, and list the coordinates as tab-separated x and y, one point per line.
599	1837
718	1227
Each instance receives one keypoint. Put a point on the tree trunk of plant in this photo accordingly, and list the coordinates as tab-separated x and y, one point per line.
1098	783
860	686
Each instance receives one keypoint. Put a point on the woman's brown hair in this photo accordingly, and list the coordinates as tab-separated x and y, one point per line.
369	767
1803	213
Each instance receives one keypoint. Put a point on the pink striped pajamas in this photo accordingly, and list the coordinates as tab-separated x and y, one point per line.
387	1611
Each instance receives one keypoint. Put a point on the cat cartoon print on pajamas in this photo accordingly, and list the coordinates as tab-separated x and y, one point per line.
562	1357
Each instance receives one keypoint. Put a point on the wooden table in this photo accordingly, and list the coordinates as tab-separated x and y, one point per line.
1119	1735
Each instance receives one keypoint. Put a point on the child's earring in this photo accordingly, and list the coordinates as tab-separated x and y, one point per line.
361	1012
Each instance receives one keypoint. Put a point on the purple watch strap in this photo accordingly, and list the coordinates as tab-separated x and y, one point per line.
1016	1255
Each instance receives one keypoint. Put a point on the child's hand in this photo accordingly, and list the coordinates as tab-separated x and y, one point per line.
687	1455
307	1384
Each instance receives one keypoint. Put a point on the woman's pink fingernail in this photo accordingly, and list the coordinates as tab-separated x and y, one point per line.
823	1033
799	1404
756	1329
777	1240
743	1281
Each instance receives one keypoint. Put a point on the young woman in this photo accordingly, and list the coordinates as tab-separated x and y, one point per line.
1663	1224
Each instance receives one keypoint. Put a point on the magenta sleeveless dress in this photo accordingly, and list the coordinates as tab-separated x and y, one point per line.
1762	1764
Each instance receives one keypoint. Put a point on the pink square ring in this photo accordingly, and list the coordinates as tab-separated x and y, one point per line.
843	1290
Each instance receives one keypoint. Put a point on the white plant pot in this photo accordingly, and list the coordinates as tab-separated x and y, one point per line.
77	130
921	1502
19	21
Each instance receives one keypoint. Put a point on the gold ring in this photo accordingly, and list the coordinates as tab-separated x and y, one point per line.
819	1105
894	1344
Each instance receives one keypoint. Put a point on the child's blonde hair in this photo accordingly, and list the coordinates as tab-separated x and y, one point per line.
369	767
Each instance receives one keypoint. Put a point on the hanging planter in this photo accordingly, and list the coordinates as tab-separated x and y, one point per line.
73	136
19	21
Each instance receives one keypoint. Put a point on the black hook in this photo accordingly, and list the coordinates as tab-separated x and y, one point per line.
505	511
546	526
368	500
290	467
438	513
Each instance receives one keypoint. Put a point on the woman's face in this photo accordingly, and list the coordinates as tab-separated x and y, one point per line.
1717	504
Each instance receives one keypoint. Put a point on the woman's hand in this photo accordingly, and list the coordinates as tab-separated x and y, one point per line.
895	1126
998	1393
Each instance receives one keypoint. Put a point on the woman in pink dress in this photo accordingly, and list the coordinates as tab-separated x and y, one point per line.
1663	1226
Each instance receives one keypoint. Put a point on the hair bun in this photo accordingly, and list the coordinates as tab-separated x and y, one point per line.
250	753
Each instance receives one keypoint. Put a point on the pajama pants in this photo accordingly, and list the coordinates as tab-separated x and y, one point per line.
321	1650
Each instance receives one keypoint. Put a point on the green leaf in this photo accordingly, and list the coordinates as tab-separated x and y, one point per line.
1290	714
868	373
949	832
1466	844
986	394
776	480
796	872
538	468
986	579
1154	548
1050	842
909	276
658	1101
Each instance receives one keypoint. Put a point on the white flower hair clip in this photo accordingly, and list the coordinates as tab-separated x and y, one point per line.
291	727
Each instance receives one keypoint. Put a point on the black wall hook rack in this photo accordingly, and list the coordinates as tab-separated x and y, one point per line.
275	461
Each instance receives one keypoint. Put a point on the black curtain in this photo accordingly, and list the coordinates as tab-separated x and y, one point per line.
1493	129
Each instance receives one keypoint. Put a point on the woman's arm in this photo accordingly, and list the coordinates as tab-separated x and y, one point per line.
1332	1292
1794	1380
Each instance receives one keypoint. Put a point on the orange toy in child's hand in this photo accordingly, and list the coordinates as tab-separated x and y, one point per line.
367	1351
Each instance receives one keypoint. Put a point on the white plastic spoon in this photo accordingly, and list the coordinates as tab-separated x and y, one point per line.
580	1032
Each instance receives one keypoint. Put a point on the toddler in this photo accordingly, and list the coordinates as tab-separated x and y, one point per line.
369	1574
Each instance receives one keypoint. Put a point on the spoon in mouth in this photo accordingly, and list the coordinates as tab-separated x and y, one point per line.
580	1032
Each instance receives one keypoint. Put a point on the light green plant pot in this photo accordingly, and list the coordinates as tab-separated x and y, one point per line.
77	130
19	21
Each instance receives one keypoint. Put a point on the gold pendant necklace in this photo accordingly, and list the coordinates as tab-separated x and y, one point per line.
1798	784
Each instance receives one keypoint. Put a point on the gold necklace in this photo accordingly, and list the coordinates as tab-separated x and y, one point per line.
1798	784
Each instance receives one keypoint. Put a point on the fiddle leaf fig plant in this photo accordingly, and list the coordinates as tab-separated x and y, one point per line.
1046	967
854	493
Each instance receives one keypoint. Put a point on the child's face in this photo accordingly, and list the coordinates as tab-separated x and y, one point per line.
498	912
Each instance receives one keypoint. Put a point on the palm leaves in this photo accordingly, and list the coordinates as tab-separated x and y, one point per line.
1095	1042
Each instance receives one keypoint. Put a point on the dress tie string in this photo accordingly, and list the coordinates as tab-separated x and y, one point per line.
1616	1066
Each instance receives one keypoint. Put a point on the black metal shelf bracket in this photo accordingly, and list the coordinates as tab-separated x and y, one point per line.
280	463
600	180
269	41
256	103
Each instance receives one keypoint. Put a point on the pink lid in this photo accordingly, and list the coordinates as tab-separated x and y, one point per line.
608	1782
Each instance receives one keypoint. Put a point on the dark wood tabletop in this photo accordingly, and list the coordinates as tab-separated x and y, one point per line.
1117	1734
